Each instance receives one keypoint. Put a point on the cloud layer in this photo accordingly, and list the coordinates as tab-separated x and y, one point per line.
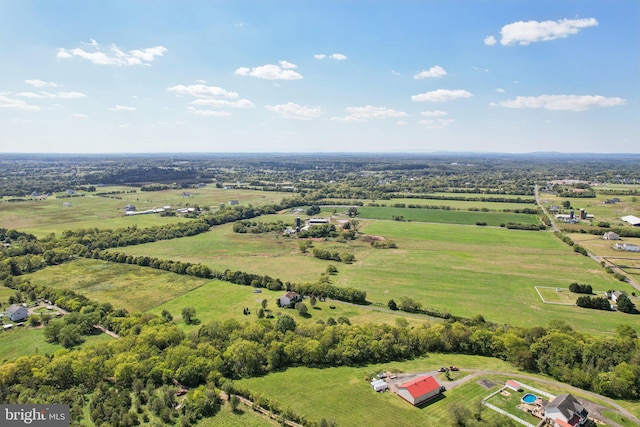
561	102
295	111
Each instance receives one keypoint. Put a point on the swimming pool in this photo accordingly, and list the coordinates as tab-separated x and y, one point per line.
529	398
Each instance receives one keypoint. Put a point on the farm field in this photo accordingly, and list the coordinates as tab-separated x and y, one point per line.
222	248
460	204
125	286
446	216
41	217
475	270
464	270
220	301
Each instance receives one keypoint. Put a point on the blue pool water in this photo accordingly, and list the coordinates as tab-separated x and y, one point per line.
529	398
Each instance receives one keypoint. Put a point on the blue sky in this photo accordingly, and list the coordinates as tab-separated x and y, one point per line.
320	76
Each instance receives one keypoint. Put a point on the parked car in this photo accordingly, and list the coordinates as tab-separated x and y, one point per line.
443	369
453	368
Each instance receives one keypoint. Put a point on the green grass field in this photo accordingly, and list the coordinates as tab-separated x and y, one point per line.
244	417
25	341
343	394
124	286
446	216
41	217
462	204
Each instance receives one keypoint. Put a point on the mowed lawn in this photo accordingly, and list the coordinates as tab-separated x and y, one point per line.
467	270
125	286
343	393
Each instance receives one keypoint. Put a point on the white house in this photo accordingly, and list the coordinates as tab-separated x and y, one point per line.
17	313
379	385
610	235
288	298
419	390
613	296
566	411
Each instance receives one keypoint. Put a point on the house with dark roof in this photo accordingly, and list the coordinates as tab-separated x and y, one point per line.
17	313
419	390
566	411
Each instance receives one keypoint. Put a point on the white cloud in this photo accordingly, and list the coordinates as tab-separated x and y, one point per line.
40	83
203	91
524	33
48	95
78	116
436	123
500	90
122	108
441	95
295	111
336	56
490	40
125	125
561	102
71	95
402	123
436	113
240	103
16	104
271	72
370	112
198	112
395	73
435	71
113	55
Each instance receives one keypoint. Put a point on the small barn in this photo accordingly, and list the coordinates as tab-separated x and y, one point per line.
610	235
419	390
379	385
513	385
17	313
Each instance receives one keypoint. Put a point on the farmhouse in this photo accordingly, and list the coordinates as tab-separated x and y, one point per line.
419	390
614	295
288	298
610	235
17	313
233	202
129	208
631	219
566	411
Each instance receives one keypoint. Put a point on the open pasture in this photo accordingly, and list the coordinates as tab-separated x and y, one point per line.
124	286
218	300
446	216
460	204
25	341
221	248
45	216
476	270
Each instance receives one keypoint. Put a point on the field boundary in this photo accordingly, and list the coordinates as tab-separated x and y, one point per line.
550	302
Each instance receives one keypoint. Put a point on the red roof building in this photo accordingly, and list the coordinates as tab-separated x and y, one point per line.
513	385
419	390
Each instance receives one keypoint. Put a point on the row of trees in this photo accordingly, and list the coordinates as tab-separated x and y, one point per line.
578	288
326	254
